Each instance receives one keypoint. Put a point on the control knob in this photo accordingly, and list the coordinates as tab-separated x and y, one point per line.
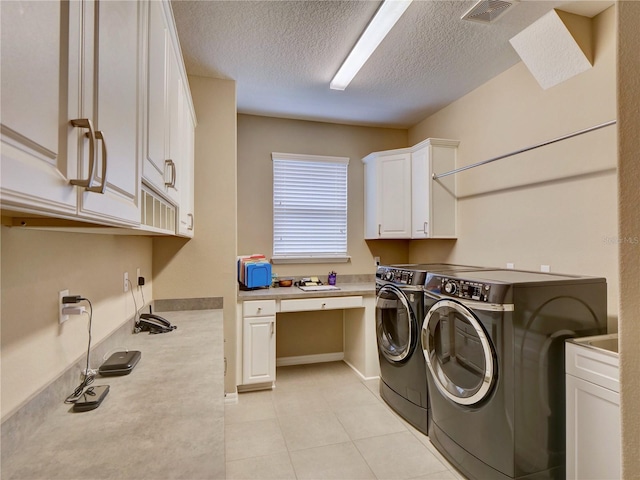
450	288
388	276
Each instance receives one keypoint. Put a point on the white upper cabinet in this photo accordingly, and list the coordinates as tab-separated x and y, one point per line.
109	94
387	195
94	97
401	198
433	202
70	102
167	96
186	220
35	168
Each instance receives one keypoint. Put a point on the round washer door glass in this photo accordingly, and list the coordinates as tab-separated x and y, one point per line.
395	324
458	353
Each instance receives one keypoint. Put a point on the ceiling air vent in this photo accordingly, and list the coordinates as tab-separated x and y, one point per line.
487	11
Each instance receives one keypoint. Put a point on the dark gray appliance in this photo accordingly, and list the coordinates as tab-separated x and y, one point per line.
493	342
399	316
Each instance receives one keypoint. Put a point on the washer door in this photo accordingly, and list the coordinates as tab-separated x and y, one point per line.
396	326
458	353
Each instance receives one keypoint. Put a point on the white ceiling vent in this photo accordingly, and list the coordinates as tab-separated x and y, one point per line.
486	11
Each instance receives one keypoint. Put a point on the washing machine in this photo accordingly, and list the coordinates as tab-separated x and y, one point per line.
493	342
399	316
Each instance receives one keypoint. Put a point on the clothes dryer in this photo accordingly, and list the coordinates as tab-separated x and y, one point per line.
493	342
399	316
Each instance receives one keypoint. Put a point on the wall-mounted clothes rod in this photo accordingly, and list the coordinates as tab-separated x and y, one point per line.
522	150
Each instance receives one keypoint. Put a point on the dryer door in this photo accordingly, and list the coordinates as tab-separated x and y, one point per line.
458	352
396	326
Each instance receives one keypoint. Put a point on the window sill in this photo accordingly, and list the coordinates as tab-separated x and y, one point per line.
311	259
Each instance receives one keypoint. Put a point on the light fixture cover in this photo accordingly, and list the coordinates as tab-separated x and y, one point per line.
381	23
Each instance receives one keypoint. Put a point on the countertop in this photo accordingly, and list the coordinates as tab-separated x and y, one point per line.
280	293
163	420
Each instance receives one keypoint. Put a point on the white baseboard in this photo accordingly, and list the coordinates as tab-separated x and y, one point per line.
362	377
231	398
306	359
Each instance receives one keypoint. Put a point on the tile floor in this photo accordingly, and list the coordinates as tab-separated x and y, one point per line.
323	422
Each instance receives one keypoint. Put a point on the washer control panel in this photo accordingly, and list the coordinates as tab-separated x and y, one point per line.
400	276
466	289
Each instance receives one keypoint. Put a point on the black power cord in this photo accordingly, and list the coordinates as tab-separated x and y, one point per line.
88	377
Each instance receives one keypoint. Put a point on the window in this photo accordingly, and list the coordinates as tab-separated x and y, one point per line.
309	208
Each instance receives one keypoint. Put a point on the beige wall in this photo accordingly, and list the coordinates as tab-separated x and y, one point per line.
36	265
629	186
556	205
205	265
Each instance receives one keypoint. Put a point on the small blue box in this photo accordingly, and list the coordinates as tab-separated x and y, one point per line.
257	275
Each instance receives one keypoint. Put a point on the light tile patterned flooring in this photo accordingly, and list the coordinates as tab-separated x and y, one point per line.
323	422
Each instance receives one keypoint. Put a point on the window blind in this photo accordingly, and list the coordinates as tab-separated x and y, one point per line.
309	206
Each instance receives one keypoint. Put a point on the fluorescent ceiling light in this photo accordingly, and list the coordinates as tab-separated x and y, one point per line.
383	21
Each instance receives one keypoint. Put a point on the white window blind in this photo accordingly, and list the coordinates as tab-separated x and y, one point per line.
309	207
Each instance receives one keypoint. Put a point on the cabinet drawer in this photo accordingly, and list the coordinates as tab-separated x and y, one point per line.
258	308
593	366
320	303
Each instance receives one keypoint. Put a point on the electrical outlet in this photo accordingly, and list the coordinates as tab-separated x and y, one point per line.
137	275
376	260
511	266
545	268
126	282
61	317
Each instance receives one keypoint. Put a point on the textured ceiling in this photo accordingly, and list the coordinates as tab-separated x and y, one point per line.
283	54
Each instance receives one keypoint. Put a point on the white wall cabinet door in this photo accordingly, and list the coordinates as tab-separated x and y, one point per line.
433	202
187	136
388	195
35	169
155	166
164	86
259	350
110	95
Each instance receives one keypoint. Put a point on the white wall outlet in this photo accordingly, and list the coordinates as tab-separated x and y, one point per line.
61	317
126	282
511	266
376	260
137	274
545	268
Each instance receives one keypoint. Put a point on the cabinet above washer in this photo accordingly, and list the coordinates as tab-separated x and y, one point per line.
401	198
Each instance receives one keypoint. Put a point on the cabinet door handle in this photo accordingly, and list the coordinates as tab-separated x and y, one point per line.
379	226
171	183
86	123
425	228
273	324
100	188
190	215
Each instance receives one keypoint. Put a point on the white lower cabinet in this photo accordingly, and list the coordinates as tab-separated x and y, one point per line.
593	413
259	342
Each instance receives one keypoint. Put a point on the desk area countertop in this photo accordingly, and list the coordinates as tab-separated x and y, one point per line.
285	293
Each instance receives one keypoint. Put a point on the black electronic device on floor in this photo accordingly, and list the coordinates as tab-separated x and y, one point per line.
120	363
91	398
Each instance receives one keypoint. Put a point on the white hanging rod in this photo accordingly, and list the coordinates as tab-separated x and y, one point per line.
522	150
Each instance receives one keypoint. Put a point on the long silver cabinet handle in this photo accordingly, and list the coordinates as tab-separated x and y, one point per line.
86	123
101	188
190	215
172	182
